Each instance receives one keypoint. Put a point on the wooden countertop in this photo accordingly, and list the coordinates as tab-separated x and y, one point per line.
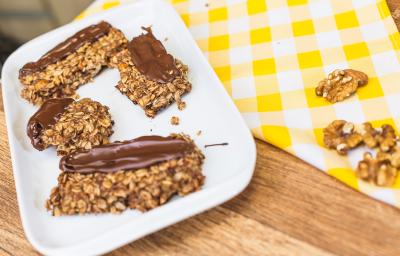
289	208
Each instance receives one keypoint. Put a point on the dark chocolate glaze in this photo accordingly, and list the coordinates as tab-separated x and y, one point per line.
151	59
133	154
47	115
69	46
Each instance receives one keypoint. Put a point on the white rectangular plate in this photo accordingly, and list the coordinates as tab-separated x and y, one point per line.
227	169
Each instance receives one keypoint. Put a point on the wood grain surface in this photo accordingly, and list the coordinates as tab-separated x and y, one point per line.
289	208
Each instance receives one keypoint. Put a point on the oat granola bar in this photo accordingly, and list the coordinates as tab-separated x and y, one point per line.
71	63
138	174
70	125
150	77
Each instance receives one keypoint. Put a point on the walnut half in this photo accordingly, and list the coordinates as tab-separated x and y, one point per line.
342	136
378	171
341	84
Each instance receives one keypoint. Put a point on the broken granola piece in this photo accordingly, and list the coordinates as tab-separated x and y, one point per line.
378	171
70	125
150	77
181	105
47	115
71	63
141	174
341	136
175	120
341	84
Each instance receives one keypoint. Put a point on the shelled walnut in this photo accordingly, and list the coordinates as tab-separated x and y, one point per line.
393	157
341	84
378	171
387	138
370	134
382	170
342	136
383	137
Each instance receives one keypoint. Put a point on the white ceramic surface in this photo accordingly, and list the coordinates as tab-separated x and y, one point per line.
228	169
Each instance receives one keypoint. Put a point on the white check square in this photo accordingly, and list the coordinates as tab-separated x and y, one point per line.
200	31
238	25
310	153
284	47
329	39
320	9
290	81
298	118
279	16
386	63
350	111
240	55
198	6
243	88
393	104
374	31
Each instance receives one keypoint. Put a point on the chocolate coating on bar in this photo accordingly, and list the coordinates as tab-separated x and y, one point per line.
70	45
151	59
46	116
133	154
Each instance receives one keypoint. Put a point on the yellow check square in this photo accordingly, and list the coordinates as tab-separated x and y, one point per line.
383	9
224	73
356	51
218	14
310	59
380	122
395	39
217	43
296	2
346	20
313	100
303	28
256	6
319	136
277	135
185	18
345	175
264	67
260	35
270	102
110	4
372	90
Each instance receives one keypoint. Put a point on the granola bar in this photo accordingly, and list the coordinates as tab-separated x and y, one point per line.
71	63
70	125
150	76
138	174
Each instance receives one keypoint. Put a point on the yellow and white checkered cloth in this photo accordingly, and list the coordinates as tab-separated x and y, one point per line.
271	54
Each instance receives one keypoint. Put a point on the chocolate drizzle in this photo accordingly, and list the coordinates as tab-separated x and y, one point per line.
46	116
151	59
217	144
70	45
138	153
